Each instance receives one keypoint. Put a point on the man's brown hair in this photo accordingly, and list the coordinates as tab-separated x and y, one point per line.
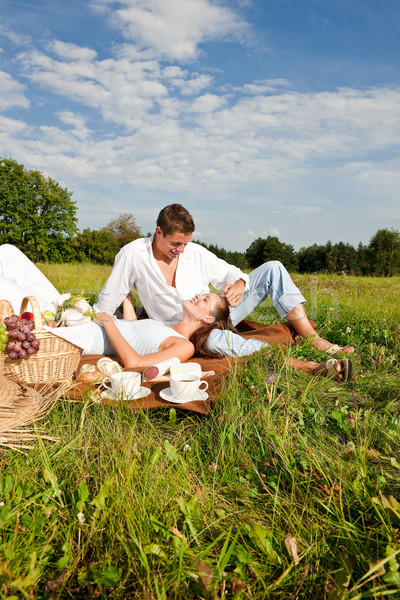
175	218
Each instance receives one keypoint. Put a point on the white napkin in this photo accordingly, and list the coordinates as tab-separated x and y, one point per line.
80	335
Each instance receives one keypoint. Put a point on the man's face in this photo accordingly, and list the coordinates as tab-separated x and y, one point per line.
170	246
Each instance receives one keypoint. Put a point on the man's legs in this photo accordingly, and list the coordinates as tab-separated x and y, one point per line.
270	279
20	277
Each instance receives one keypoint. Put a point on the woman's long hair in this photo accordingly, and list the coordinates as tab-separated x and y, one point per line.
222	321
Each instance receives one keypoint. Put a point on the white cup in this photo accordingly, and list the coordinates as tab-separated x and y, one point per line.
123	385
186	369
186	386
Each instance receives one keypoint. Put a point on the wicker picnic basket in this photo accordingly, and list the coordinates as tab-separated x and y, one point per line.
19	403
57	359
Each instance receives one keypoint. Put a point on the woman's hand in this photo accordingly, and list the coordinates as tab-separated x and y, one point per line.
103	319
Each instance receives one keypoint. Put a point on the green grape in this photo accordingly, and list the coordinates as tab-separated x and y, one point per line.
3	337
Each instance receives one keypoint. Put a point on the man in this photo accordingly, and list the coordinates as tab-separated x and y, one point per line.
167	268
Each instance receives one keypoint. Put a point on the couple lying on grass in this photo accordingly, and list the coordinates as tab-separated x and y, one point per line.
143	343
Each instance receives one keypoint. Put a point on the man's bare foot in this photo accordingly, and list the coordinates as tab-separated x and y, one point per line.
343	369
325	346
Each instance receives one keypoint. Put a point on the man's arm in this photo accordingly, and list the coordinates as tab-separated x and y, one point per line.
118	285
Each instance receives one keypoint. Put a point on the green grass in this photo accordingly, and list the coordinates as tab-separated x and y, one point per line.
287	489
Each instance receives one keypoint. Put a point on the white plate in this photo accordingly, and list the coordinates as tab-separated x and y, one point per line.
142	393
166	394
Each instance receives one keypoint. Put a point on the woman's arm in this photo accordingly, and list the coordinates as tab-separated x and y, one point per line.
128	310
170	347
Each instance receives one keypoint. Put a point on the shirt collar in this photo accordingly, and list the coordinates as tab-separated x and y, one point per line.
148	243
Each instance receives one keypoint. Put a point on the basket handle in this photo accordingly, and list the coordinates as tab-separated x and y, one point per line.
37	313
6	310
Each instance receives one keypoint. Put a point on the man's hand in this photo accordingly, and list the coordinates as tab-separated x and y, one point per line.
234	292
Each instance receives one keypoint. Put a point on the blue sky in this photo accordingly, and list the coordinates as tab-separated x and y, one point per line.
261	117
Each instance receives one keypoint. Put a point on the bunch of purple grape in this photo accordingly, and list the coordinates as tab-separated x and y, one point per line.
22	342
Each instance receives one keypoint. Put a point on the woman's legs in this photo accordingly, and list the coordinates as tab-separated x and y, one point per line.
19	277
298	319
343	368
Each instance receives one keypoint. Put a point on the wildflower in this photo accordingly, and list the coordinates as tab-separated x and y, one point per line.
72	310
81	518
350	446
348	329
72	317
187	447
60	301
1	503
271	378
83	306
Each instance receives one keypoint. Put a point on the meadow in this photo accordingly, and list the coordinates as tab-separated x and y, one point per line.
289	488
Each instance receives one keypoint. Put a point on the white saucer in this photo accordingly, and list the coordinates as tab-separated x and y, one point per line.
142	393
166	394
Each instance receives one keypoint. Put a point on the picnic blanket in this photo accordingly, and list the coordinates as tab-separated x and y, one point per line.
214	369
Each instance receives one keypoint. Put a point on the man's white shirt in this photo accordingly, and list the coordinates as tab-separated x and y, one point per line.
136	267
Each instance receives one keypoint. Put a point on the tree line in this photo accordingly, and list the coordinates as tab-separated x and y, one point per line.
39	216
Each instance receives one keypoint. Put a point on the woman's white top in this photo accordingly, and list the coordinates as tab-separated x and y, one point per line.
145	336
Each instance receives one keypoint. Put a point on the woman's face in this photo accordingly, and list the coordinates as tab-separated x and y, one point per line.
201	306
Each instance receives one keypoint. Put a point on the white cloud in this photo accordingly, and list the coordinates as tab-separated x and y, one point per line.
16	38
72	51
10	127
12	92
263	87
195	84
207	103
77	123
173	28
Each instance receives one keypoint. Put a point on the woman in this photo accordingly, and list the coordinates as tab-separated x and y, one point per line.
145	342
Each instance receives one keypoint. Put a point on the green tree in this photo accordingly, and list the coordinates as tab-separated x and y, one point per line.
95	246
36	214
330	258
312	259
341	258
123	230
363	266
270	248
384	253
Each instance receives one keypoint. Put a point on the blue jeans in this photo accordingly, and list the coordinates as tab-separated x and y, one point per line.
270	279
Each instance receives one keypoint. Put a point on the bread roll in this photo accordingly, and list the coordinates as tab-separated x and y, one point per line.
95	376
87	368
108	366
